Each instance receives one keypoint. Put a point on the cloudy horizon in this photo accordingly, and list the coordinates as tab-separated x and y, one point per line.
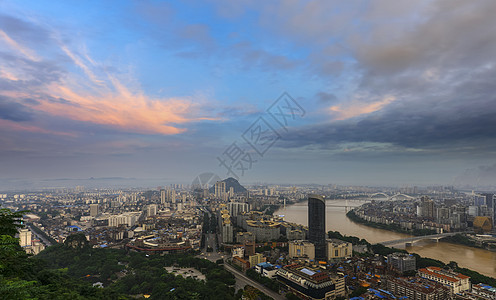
387	93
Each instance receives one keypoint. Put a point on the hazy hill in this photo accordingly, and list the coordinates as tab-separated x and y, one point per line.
231	182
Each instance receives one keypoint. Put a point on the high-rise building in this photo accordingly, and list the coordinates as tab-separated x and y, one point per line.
151	210
25	237
427	207
93	210
479	200
220	189
236	208
489	199
493	209
227	230
163	196
171	196
316	225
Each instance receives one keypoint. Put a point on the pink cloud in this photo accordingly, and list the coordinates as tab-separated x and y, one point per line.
16	46
122	109
103	99
356	108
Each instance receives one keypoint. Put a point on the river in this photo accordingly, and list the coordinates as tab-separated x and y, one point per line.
482	261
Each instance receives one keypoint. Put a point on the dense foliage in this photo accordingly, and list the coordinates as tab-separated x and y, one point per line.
136	273
350	239
69	270
385	251
270	283
23	277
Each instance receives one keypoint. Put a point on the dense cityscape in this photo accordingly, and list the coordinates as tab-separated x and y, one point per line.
239	229
248	150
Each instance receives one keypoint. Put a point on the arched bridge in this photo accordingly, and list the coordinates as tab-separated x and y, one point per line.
414	239
391	197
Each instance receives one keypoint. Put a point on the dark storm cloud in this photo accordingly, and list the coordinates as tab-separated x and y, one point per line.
441	69
13	111
464	112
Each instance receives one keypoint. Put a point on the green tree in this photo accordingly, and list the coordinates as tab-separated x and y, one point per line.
10	221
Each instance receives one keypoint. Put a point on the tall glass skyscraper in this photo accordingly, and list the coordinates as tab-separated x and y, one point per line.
316	225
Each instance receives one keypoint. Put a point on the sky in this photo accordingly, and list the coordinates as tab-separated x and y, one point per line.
330	92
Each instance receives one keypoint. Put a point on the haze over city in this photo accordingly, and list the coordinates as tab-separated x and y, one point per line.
148	93
285	149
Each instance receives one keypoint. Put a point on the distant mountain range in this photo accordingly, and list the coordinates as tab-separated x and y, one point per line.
231	182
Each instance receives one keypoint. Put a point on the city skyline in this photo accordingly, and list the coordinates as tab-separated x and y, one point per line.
389	93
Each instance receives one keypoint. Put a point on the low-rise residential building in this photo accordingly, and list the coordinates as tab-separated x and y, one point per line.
128	219
256	259
295	234
264	230
456	281
244	264
417	288
243	237
483	291
301	249
266	269
338	249
238	251
311	283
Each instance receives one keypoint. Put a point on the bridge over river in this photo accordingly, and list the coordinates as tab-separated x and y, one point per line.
411	240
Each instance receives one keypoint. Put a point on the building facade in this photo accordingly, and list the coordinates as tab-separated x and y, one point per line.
263	230
316	225
310	283
401	262
417	289
455	281
338	250
301	249
94	210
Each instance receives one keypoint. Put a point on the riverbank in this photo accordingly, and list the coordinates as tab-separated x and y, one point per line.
391	227
480	260
459	239
421	262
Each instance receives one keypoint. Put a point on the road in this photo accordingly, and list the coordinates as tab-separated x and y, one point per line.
242	280
45	241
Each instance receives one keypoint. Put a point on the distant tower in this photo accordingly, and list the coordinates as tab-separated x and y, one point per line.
316	225
93	210
220	189
163	196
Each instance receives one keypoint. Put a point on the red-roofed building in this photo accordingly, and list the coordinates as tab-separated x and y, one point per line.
456	281
238	261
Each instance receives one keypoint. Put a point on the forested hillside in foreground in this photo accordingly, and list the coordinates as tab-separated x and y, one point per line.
69	270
